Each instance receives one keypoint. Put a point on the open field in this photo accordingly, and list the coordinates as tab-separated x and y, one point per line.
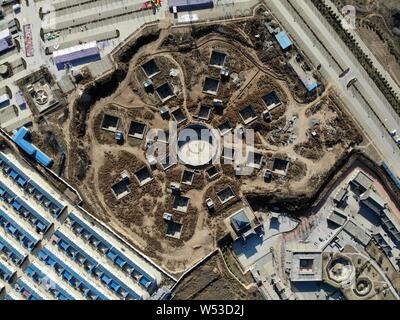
211	281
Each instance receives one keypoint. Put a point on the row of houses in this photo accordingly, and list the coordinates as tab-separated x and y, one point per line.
82	260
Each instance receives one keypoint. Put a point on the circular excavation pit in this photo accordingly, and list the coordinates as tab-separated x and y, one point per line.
197	145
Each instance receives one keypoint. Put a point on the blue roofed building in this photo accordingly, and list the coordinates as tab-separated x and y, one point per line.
6	271
284	41
80	259
19	139
306	77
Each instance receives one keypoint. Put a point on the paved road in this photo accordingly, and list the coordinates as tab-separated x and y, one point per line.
382	107
381	138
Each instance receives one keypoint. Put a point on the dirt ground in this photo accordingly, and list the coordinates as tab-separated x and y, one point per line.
211	281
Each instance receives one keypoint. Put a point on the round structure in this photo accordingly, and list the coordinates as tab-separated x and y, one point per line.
363	287
41	97
197	145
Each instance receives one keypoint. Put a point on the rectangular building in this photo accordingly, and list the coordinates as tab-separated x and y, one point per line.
6	41
76	55
306	264
31	150
284	41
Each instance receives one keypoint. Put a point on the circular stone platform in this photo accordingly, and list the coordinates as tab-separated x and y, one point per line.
363	287
197	145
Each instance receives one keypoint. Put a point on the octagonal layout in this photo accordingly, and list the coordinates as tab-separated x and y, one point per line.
197	145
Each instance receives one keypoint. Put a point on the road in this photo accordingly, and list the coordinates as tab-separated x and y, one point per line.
303	35
364	47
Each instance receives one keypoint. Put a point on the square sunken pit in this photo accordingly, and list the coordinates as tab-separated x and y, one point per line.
280	166
178	116
255	160
181	204
248	114
226	195
204	113
143	176
271	100
217	59
165	92
187	177
212	172
224	128
168	162
211	86
174	229
110	123
151	68
137	130
120	189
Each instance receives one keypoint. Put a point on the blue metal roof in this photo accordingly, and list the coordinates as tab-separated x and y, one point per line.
27	292
7	273
54	205
13	254
38	276
90	230
18	203
311	86
76	56
190	5
20	134
283	40
4	160
115	284
51	260
43	159
39	156
7	191
74	251
120	259
28	241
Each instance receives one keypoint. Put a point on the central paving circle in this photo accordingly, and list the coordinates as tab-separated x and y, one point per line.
197	145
